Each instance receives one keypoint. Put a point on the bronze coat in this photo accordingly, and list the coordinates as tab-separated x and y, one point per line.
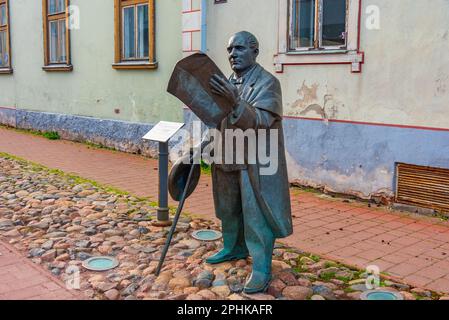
261	108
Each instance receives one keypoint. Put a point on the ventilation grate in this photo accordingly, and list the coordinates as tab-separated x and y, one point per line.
422	186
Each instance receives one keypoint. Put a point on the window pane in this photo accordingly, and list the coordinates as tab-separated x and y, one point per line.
302	31
61	5
57	41
334	23
3	15
142	31
56	6
51	6
129	40
61	50
53	41
4	59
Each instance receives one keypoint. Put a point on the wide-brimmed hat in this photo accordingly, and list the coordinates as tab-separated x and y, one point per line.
178	176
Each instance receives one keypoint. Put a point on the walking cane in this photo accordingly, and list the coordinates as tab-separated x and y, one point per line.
175	221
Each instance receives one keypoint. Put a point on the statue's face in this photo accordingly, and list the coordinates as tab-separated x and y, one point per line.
241	55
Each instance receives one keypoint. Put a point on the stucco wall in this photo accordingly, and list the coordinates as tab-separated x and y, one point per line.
404	82
405	79
93	88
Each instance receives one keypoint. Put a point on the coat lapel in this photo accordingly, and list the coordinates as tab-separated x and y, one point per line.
248	86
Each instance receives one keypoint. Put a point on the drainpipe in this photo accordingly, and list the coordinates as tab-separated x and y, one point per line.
204	26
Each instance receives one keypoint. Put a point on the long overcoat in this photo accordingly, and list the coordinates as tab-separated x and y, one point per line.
261	108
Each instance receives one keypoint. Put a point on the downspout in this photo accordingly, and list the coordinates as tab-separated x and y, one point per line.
204	26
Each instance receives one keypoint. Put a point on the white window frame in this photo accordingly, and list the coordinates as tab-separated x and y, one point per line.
327	55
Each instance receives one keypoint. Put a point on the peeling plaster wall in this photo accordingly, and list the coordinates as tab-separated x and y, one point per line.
404	81
405	78
358	159
93	88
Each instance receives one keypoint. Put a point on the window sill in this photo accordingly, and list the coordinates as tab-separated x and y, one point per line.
129	65
58	68
6	70
316	51
338	56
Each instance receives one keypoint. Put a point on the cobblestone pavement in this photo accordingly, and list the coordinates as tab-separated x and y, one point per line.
59	221
412	248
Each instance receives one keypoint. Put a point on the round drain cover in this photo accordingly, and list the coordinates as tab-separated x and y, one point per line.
100	263
380	295
206	235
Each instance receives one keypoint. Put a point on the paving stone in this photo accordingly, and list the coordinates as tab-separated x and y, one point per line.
297	293
86	221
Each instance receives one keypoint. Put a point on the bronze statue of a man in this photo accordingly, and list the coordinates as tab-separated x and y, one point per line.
254	208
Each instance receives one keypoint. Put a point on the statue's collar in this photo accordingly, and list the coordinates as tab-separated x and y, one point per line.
238	81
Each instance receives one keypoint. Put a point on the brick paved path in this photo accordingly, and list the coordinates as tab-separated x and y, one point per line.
412	248
20	279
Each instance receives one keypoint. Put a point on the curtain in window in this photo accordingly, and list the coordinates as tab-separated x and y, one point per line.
56	6
57	41
62	37
4	59
3	20
129	47
142	31
53	41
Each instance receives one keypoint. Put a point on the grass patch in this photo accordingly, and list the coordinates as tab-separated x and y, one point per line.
358	274
96	146
330	264
205	168
314	258
299	269
441	216
51	135
296	189
327	276
348	290
344	279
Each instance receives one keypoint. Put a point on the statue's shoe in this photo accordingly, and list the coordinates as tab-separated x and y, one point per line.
225	255
258	282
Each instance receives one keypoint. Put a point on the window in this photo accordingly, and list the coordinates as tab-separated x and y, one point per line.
5	48
134	34
319	32
317	24
56	36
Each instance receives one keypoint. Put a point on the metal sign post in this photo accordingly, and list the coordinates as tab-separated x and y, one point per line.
162	132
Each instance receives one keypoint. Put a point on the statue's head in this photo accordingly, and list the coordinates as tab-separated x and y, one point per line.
243	49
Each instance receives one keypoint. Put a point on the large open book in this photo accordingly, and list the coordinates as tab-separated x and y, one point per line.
190	84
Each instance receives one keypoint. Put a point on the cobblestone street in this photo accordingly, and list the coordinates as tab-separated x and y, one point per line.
58	221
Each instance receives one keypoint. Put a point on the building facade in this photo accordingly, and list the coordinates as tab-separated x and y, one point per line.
365	82
102	89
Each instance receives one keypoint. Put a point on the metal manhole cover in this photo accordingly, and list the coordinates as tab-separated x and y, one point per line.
100	263
380	295
206	235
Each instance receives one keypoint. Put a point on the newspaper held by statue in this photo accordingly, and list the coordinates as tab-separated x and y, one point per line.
190	84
